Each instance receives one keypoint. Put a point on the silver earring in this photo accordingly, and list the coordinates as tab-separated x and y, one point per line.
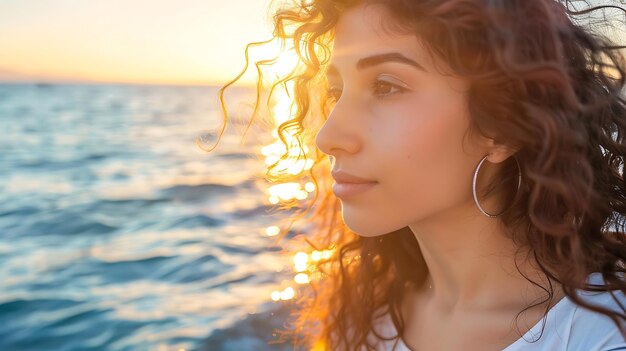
519	183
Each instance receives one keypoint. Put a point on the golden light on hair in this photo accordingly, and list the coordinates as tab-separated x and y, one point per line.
286	156
286	191
324	254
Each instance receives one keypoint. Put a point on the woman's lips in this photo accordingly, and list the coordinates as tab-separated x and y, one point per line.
348	184
349	189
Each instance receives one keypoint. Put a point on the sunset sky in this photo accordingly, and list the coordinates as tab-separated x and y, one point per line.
138	41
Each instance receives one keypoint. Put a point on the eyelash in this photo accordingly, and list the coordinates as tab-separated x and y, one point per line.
332	91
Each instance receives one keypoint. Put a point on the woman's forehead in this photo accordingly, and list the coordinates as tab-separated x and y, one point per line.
360	33
363	27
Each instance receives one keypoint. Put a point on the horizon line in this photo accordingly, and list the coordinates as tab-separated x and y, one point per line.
35	81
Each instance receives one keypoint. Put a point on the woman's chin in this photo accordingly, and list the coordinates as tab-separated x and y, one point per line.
367	229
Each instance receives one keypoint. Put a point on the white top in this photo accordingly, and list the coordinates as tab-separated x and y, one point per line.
569	327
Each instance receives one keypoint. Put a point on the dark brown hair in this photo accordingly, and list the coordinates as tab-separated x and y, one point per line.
541	80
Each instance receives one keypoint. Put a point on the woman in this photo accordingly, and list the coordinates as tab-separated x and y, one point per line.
476	148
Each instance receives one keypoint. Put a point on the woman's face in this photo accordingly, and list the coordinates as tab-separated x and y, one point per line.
396	121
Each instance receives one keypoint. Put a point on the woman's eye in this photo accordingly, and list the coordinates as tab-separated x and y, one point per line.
380	89
383	88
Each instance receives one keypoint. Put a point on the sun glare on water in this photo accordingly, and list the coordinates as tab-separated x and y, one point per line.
303	271
295	163
282	109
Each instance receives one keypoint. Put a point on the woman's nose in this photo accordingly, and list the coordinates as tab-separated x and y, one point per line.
339	132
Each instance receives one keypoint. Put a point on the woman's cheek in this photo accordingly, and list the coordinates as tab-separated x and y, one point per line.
417	127
394	128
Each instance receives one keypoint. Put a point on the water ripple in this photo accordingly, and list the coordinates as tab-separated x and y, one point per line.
117	233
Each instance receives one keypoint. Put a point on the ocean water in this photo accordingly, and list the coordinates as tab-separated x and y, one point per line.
118	233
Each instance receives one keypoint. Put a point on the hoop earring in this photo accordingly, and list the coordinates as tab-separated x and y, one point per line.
519	183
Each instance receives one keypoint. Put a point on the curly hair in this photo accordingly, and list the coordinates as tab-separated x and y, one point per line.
549	85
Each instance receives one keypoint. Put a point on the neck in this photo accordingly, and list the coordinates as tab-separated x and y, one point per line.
471	263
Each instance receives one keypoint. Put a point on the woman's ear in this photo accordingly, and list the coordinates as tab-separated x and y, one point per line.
500	153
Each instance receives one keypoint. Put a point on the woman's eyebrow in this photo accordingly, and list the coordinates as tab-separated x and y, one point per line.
374	60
